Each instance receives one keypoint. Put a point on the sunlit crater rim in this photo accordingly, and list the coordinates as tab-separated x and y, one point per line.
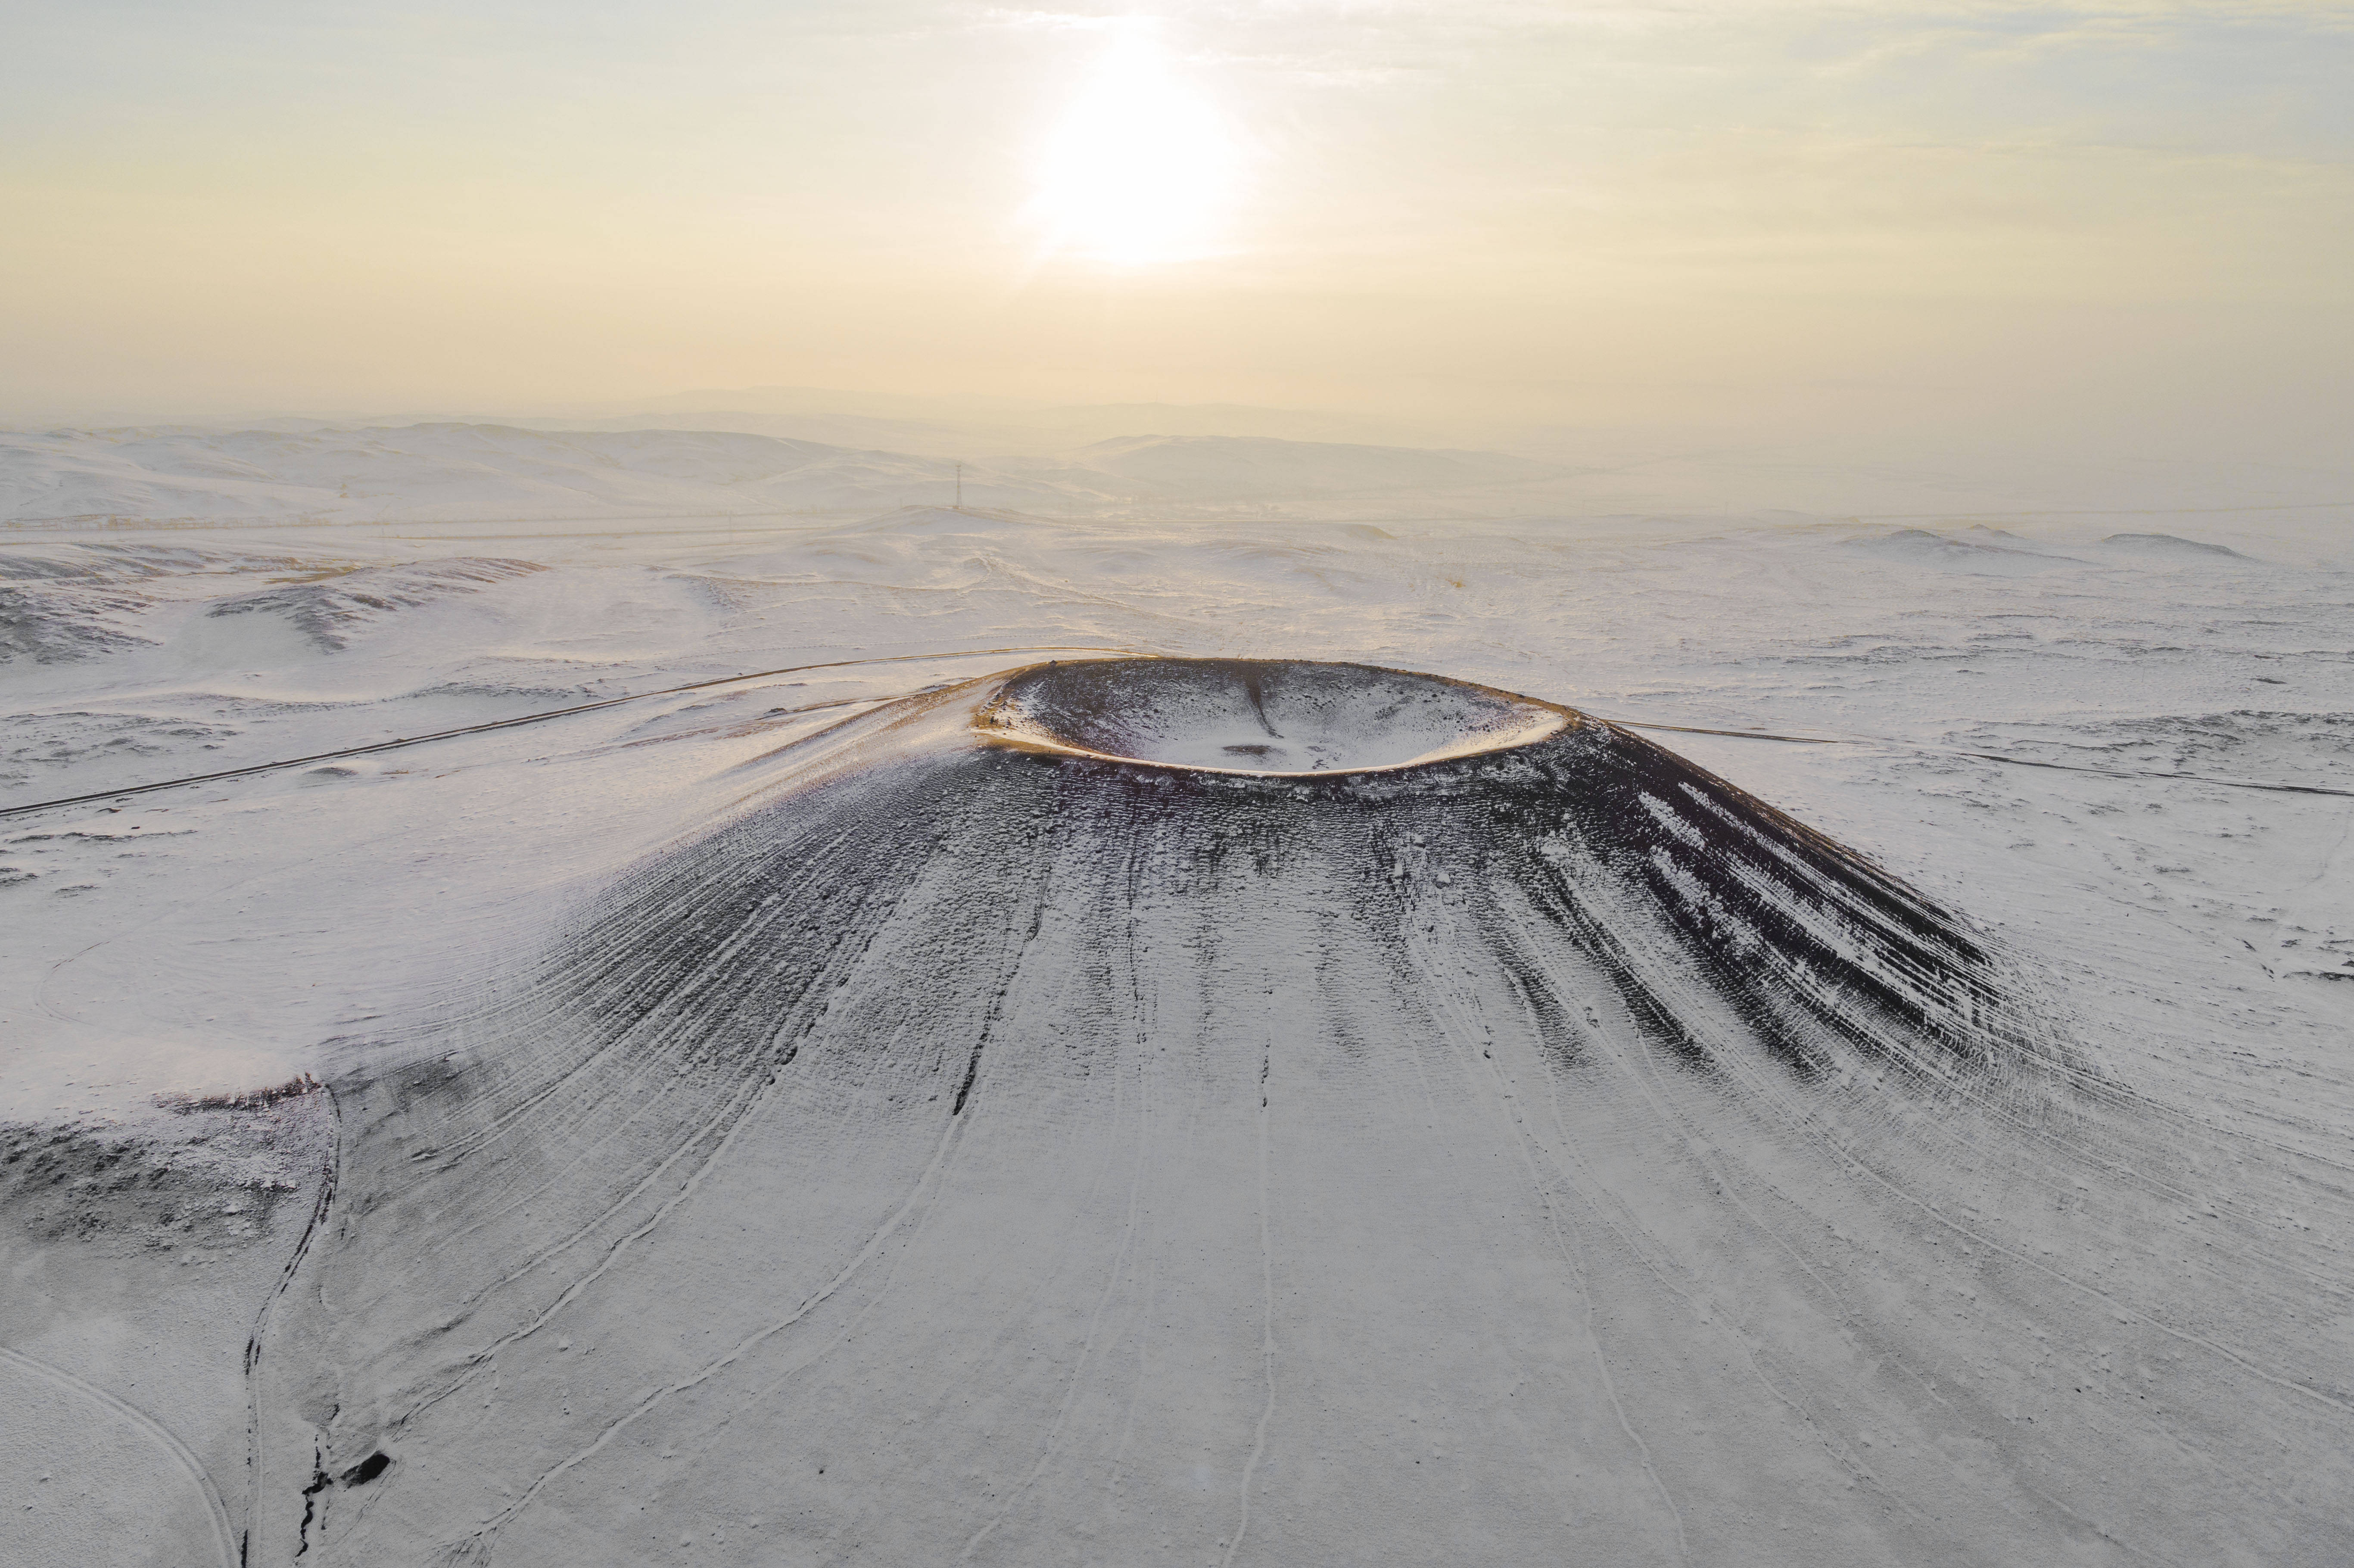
1270	718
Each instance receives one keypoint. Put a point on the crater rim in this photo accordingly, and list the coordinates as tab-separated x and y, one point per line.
1058	707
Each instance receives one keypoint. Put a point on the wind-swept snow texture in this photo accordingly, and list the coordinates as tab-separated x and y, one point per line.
329	610
981	1144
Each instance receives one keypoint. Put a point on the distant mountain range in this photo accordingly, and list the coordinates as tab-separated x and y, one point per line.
794	455
449	473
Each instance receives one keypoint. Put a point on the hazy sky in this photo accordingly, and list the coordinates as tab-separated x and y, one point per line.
1794	219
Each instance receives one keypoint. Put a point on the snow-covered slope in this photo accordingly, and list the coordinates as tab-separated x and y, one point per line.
1062	1126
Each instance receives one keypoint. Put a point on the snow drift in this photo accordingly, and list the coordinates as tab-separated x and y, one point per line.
329	610
1264	1113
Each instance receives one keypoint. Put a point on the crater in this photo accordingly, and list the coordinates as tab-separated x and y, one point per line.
1266	716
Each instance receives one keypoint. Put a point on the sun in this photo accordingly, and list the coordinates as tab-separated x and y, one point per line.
1141	168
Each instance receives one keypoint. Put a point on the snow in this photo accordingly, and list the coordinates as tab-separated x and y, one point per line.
1317	1193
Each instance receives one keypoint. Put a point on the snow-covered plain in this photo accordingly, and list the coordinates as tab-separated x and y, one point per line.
431	1152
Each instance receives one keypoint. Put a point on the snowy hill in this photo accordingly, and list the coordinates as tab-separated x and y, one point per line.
464	473
1206	467
424	473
